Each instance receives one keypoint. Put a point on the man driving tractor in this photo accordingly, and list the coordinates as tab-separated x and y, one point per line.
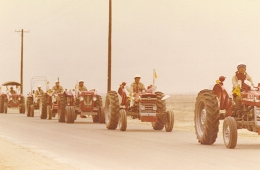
239	84
81	86
57	88
137	86
39	91
12	91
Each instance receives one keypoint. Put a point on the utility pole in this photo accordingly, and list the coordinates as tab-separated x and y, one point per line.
21	73
109	46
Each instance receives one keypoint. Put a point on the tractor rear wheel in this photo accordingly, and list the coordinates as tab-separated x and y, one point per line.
98	103
122	123
32	110
230	132
43	107
169	122
161	108
111	110
1	104
206	117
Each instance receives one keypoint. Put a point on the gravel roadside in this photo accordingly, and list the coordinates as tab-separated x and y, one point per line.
15	157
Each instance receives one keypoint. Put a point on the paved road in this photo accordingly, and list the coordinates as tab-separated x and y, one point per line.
85	145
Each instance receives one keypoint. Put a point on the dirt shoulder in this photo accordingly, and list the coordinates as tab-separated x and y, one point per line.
15	157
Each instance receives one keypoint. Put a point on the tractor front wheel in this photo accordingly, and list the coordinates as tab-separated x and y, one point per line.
31	110
122	123
230	132
169	122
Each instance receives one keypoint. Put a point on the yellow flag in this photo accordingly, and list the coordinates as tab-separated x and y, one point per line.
237	91
155	75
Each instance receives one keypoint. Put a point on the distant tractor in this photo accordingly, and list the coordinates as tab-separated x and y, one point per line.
145	106
34	102
11	98
214	105
82	103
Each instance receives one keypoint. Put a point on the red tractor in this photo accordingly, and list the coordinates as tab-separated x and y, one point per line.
51	105
145	106
35	102
85	103
215	105
12	98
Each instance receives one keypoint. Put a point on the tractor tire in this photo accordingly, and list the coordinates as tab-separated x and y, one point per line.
122	122
101	115
1	104
49	113
161	108
43	107
230	132
95	118
72	111
61	110
98	103
28	105
32	110
67	114
22	108
111	110
206	117
5	107
169	122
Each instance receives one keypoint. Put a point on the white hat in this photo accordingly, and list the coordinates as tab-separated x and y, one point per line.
57	81
81	81
39	85
137	75
241	64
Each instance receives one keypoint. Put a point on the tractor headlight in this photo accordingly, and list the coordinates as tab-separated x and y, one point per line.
11	98
154	107
142	107
19	98
81	98
94	98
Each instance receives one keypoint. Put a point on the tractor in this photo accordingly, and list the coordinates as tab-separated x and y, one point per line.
12	98
214	105
147	106
84	103
34	102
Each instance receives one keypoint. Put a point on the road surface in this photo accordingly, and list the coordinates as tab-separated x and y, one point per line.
87	145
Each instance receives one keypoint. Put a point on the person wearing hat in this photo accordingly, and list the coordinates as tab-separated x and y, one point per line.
39	91
57	88
81	86
238	82
12	91
137	86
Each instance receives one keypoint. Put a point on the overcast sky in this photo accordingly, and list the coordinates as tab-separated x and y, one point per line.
189	43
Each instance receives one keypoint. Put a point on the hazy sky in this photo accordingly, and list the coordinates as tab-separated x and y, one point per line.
189	43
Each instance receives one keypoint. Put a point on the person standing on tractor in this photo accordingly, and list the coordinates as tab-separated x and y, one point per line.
39	91
81	86
137	86
12	91
239	84
57	88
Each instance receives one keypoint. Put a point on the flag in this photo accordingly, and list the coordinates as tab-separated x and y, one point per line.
237	91
154	74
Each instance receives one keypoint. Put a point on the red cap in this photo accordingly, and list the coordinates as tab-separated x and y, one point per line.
222	78
124	83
